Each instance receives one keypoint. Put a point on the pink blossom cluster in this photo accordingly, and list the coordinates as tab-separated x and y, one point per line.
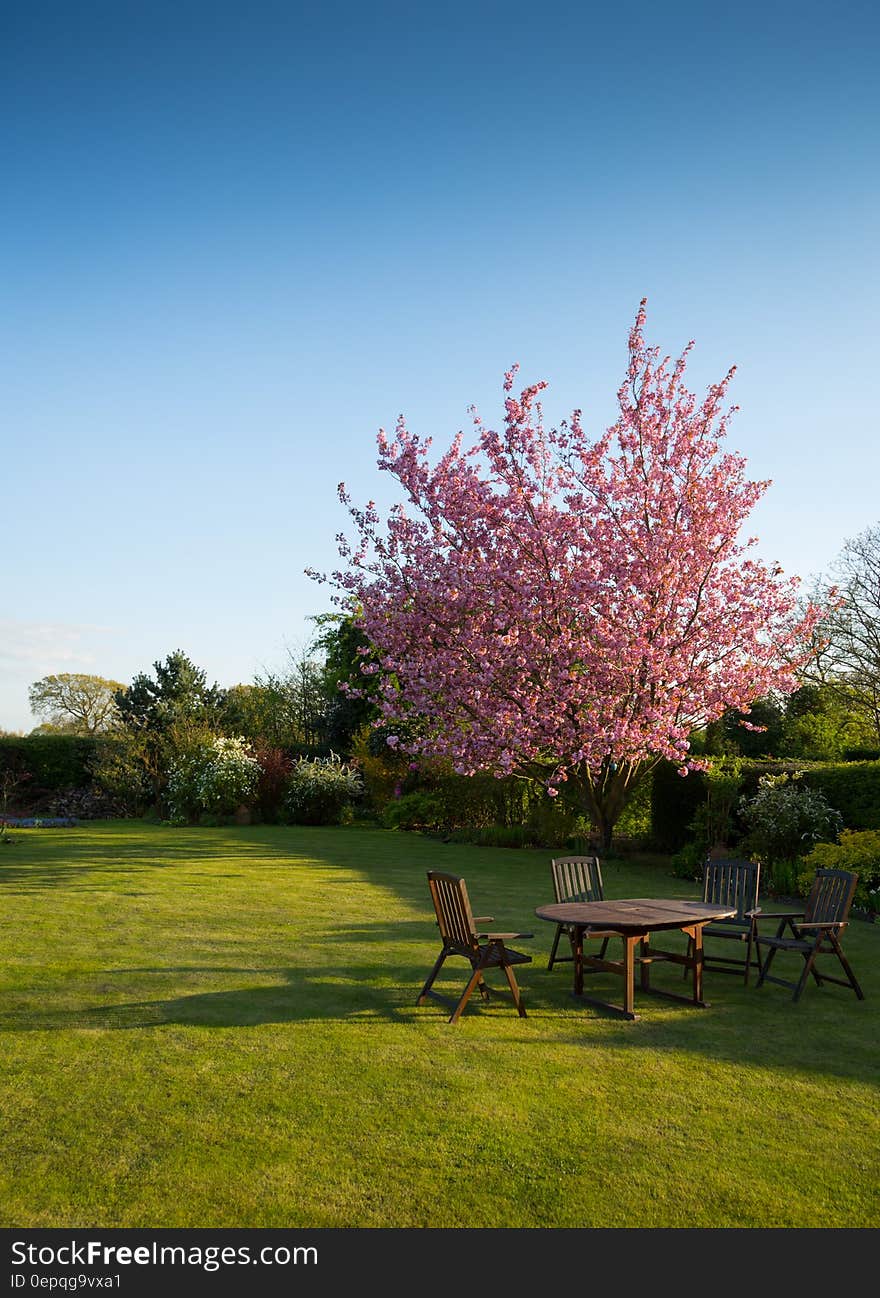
546	600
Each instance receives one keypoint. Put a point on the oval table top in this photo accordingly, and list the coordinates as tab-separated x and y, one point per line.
645	914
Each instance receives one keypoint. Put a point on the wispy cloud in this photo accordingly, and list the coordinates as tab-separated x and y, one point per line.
47	645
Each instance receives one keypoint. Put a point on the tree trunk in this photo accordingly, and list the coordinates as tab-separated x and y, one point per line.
606	794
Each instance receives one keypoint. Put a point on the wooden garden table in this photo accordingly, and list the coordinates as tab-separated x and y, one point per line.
634	920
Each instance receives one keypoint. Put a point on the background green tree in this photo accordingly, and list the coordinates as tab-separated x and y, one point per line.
166	715
76	702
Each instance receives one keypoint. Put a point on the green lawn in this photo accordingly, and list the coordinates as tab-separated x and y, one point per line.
217	1027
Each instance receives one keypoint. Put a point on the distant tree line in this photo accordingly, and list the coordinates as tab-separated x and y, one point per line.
300	711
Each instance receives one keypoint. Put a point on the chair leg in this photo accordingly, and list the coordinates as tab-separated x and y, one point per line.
853	982
749	956
603	948
765	967
431	976
555	946
690	955
809	961
476	977
514	989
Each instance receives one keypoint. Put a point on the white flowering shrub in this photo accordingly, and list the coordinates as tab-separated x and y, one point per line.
783	821
214	777
319	790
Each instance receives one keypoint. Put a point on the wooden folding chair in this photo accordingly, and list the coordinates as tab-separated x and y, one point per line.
731	883
815	931
461	936
576	878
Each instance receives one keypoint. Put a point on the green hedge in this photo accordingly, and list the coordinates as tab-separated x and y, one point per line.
852	788
52	761
674	801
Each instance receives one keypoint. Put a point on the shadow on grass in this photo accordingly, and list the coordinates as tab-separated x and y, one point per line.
826	1034
829	1032
306	995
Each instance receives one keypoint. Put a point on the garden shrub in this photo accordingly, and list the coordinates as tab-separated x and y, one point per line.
713	822
384	773
552	821
119	772
783	821
475	801
320	790
275	768
635	819
416	810
859	851
853	788
467	818
687	862
214	778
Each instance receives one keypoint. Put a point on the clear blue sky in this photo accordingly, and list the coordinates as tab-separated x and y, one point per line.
238	238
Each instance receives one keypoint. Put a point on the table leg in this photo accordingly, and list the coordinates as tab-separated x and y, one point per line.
629	969
645	968
698	963
578	953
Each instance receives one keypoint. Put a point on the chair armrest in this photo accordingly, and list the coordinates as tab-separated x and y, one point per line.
504	937
484	919
828	923
752	914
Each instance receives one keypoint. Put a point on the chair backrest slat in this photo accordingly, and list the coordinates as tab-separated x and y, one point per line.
577	878
831	897
453	909
733	883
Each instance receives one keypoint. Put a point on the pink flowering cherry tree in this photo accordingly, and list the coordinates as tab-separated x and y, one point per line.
569	609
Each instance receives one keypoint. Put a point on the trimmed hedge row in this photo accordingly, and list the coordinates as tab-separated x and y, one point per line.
51	761
852	788
674	802
62	762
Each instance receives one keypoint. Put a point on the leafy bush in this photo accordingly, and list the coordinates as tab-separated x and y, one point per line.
320	790
853	787
275	768
858	851
384	773
417	810
635	819
687	863
783	821
213	777
475	801
120	772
